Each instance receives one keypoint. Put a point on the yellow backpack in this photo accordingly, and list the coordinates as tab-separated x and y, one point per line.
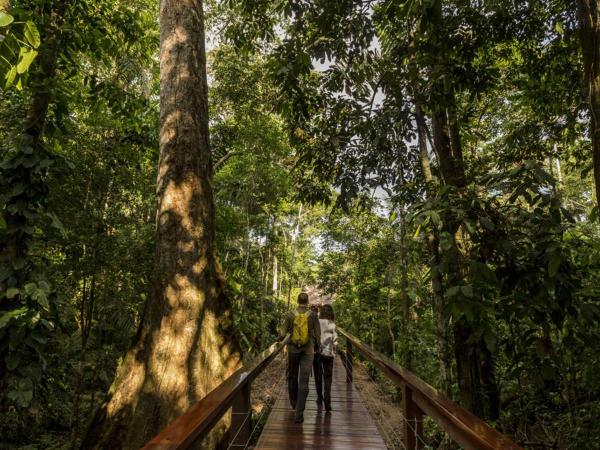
300	329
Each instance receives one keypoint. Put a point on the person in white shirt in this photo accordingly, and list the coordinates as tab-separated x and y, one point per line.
323	361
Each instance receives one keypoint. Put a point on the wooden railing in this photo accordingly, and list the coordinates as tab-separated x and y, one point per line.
234	393
419	398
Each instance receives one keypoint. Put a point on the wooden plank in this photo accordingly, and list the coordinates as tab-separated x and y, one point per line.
348	426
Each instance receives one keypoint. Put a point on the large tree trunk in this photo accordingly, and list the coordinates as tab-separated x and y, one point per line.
589	27
185	344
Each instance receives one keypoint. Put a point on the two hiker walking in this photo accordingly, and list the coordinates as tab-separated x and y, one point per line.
311	344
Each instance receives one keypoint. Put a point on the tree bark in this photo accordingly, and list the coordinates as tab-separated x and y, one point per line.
474	367
434	261
185	345
589	32
275	287
406	303
291	277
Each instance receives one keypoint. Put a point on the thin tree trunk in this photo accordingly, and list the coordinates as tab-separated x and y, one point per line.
185	345
435	262
389	321
404	292
293	261
275	277
589	31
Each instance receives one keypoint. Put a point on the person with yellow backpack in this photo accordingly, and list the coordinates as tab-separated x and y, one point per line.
303	326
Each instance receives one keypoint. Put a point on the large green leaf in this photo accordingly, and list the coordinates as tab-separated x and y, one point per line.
554	264
5	19
10	77
12	360
25	60
32	34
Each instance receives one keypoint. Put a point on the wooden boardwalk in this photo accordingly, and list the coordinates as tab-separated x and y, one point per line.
348	426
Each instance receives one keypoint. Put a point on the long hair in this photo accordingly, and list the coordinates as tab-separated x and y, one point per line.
327	313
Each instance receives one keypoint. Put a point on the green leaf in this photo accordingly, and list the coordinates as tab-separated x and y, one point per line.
10	77
486	223
554	264
30	288
6	317
12	360
57	224
453	291
5	273
417	232
22	398
12	292
490	340
594	214
32	34
40	296
468	310
2	223
435	217
469	226
5	19
19	263
25	60
467	290
44	286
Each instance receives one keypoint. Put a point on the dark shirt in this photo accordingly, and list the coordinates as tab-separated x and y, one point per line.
314	331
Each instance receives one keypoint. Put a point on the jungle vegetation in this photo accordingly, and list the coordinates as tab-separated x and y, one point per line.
433	165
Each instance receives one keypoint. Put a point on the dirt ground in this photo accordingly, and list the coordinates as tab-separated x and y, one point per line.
263	395
386	413
264	386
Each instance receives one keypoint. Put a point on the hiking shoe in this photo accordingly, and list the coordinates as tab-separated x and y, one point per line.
299	419
328	408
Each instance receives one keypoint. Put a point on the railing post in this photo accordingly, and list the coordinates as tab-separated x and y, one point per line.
348	361
241	424
413	421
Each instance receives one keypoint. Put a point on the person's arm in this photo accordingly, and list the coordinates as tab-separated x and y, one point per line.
317	327
285	327
335	338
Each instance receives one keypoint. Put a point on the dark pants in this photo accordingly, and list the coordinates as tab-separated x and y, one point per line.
298	372
323	368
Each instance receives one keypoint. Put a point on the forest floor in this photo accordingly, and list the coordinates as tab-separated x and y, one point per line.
263	393
378	399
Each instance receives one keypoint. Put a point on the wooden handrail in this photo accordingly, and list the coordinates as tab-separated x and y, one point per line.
419	398
234	392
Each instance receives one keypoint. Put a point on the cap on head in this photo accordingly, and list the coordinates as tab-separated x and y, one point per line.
302	298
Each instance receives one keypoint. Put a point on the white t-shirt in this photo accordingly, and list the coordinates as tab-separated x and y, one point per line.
328	337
